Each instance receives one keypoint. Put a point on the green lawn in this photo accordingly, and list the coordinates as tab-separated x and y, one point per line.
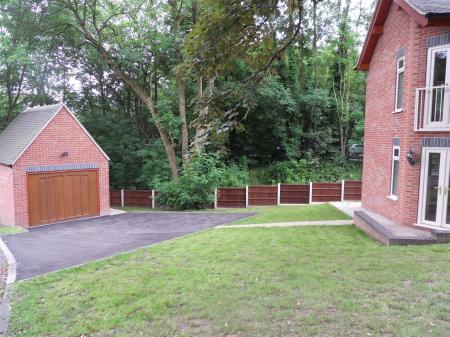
278	213
292	214
308	281
10	230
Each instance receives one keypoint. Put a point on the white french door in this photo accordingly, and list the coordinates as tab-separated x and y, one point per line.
438	93
434	203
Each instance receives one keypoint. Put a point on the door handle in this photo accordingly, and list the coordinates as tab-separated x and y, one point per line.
439	189
446	189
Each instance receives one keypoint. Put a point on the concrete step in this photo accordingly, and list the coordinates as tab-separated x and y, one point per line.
389	233
442	235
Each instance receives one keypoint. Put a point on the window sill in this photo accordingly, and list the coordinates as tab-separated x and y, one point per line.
397	111
393	197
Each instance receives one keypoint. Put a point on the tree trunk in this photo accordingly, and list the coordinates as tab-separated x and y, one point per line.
184	126
13	92
201	131
136	87
343	141
199	87
176	13
315	41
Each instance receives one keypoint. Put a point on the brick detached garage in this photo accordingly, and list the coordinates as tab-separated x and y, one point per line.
51	169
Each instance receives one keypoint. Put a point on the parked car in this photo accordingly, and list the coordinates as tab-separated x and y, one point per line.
356	152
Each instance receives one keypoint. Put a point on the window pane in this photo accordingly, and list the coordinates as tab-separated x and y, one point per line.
395	177
400	80
440	68
437	112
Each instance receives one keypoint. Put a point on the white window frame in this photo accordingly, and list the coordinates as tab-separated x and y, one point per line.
444	125
394	159
400	70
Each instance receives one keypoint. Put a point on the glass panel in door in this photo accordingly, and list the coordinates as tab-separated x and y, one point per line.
432	189
446	194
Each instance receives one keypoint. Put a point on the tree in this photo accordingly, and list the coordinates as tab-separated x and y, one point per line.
346	81
160	83
119	32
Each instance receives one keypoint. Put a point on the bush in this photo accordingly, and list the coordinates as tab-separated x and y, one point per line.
304	171
195	187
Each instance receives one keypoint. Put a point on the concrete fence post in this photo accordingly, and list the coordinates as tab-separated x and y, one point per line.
279	194
122	198
246	196
215	198
310	192
343	190
153	199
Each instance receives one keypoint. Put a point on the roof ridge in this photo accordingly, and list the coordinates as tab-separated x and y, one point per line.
45	106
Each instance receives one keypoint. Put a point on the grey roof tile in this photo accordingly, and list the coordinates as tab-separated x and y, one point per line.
23	129
431	7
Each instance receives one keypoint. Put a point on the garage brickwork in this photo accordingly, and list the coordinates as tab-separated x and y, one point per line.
6	196
382	125
63	134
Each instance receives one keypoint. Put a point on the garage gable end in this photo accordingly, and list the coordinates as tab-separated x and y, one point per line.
26	128
85	131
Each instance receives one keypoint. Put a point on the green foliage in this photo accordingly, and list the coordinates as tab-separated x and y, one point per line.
155	167
195	187
305	171
304	109
235	29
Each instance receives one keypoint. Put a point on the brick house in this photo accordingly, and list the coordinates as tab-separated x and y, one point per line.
51	169
407	128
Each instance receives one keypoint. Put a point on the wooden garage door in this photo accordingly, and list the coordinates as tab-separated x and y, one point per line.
57	196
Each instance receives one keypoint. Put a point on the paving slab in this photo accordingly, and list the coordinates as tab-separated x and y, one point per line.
54	247
348	207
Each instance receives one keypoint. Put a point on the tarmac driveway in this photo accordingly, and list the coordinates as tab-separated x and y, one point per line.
50	248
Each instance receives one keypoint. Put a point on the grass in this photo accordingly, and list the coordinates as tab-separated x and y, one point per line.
308	281
278	213
292	214
10	230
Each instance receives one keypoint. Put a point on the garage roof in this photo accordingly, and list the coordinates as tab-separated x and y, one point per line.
24	129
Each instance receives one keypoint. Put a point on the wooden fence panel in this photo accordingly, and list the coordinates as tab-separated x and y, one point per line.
262	195
352	190
294	193
323	192
138	198
114	196
231	197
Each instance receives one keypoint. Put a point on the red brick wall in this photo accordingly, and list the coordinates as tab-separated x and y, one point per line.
382	125
6	196
63	134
